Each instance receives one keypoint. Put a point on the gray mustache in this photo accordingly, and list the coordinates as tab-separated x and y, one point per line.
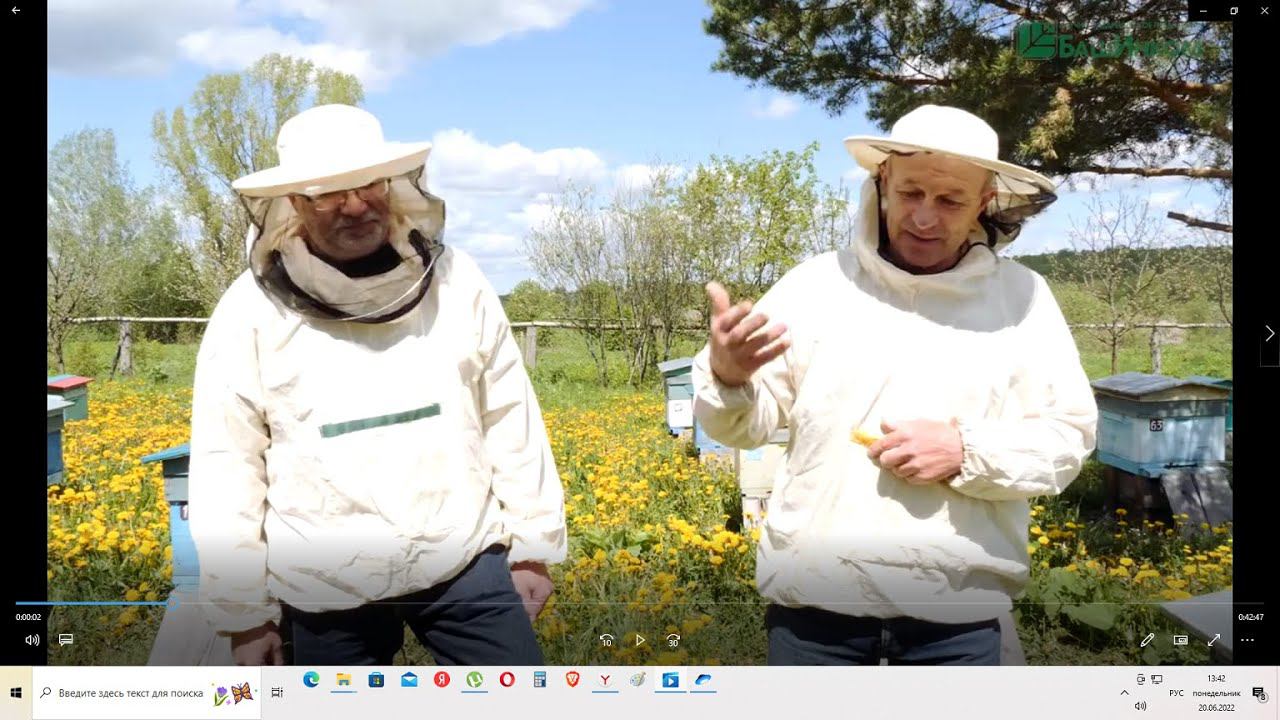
349	223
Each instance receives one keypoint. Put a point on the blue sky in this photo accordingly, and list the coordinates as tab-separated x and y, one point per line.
518	96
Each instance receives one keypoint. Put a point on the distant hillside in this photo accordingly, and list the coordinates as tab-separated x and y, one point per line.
1057	265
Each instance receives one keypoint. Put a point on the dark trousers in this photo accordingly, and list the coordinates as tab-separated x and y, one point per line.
812	636
476	618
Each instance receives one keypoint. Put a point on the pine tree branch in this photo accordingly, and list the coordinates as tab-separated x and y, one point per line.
1201	173
1197	222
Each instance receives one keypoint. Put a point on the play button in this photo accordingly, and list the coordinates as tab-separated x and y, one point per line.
639	640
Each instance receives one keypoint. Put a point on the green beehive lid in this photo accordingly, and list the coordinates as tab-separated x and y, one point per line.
676	367
174	463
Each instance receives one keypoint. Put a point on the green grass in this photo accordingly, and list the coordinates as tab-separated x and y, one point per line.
1205	351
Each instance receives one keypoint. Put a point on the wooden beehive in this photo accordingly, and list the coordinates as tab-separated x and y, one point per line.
75	390
56	407
174	464
677	381
1148	424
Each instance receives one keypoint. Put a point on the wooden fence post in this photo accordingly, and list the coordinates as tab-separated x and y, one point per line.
531	346
1156	359
124	351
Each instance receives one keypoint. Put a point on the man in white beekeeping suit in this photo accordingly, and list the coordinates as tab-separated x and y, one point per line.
366	450
931	388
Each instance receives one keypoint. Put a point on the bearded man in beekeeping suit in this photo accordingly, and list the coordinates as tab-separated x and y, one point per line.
366	451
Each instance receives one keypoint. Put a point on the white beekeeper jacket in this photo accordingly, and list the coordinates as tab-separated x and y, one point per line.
984	344
335	463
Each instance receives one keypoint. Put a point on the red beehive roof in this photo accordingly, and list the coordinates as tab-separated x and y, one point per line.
67	382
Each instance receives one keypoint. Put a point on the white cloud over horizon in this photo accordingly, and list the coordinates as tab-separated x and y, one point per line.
496	193
774	107
374	40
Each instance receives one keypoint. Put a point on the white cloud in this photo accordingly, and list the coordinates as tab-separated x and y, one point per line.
130	37
462	162
374	39
531	215
854	177
240	47
778	106
490	245
432	26
495	193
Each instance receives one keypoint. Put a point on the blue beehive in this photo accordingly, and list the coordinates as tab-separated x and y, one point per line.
677	381
707	446
56	406
186	567
1148	423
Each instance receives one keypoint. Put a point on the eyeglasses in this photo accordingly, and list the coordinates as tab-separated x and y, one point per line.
331	201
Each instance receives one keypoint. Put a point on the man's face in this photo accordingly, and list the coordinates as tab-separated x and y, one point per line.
346	225
933	202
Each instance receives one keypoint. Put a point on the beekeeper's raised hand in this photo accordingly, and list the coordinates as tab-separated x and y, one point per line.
740	341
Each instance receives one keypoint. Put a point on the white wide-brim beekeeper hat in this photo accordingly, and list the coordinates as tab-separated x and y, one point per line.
1020	192
331	148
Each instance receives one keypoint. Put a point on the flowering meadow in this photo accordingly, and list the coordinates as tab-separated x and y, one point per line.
657	548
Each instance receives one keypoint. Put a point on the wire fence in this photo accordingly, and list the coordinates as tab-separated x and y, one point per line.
528	333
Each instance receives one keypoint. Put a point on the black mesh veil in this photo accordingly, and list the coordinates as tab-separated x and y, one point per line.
286	269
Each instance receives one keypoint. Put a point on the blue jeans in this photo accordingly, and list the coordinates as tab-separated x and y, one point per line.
475	618
812	636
